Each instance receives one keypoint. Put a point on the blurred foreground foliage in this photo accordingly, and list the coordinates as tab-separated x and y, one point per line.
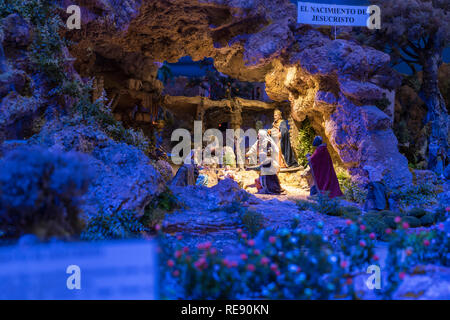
40	193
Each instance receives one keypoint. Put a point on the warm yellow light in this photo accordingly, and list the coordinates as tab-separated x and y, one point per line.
290	75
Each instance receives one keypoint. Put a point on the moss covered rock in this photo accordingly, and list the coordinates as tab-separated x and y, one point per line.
417	213
376	225
412	221
428	219
390	222
351	212
373	215
388	213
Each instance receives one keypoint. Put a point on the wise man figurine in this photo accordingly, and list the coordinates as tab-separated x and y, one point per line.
280	133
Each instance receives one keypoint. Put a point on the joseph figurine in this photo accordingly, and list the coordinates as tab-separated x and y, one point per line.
280	133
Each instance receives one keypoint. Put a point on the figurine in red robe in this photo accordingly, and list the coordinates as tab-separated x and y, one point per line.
325	178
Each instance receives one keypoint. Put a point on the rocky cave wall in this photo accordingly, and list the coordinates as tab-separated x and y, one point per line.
336	84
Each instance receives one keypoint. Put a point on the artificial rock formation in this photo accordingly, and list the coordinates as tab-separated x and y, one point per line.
340	86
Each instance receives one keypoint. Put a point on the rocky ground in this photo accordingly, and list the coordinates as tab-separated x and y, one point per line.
207	217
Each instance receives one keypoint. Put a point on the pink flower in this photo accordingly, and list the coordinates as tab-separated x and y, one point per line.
426	242
201	263
170	263
243	256
251	267
213	251
256	252
441	226
277	272
348	222
158	227
405	225
272	239
397	219
204	245
336	231
274	267
239	230
251	242
178	254
344	264
388	231
362	243
362	227
402	275
408	251
447	209
265	261
375	257
226	263
179	237
185	249
349	281
233	264
244	236
176	273
372	236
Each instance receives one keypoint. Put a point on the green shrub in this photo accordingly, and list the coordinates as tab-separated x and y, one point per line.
327	205
252	221
417	195
388	213
155	212
306	136
412	221
111	226
351	212
351	190
376	225
373	214
303	205
41	192
390	222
